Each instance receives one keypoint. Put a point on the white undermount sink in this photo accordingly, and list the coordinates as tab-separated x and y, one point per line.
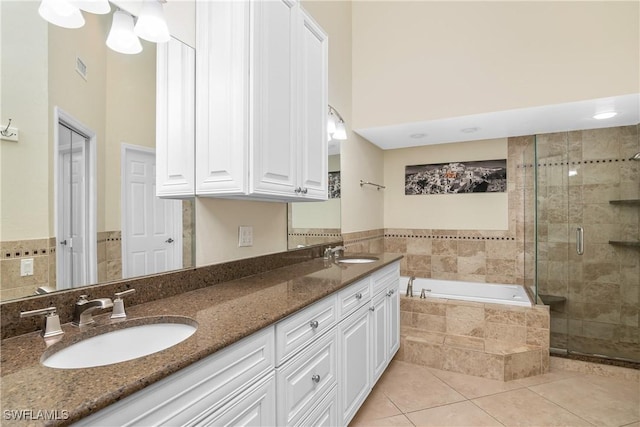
357	259
120	345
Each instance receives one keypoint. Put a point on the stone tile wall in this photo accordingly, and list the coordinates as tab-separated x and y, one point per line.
43	253
488	340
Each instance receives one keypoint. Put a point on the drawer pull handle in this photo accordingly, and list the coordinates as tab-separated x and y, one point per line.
315	378
358	295
313	324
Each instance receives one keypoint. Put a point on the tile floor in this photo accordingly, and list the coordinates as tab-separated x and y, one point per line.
413	395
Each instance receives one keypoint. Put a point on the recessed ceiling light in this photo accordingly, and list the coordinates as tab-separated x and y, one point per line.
418	135
605	115
469	130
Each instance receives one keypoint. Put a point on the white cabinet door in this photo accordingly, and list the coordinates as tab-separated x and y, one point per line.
273	97
222	99
354	383
325	414
393	312
379	335
254	407
175	120
312	110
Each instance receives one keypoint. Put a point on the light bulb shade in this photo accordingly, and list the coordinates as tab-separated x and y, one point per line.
340	133
121	38
331	123
61	13
99	7
151	25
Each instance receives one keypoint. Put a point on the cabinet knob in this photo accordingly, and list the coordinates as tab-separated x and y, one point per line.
313	324
358	295
390	292
372	309
298	190
315	378
304	190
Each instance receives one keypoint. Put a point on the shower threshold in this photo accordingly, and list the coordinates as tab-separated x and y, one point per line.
595	358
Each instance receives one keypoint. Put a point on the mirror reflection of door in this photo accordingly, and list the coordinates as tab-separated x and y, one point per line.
73	208
151	226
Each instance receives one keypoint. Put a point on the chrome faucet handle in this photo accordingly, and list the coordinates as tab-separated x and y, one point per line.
118	304
51	326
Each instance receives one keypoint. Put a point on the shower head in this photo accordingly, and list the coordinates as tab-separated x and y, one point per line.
636	156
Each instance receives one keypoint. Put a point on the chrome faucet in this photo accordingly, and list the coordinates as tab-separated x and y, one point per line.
83	314
409	292
333	252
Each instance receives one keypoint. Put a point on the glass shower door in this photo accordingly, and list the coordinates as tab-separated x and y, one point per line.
589	226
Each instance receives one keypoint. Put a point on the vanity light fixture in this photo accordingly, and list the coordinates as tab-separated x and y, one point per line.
605	115
99	7
151	24
121	37
61	13
336	130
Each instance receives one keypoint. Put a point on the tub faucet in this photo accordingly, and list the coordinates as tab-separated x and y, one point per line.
410	286
83	314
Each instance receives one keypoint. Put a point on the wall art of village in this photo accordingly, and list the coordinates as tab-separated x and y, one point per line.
485	176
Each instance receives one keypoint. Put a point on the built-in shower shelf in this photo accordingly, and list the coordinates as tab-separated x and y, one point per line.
623	243
630	202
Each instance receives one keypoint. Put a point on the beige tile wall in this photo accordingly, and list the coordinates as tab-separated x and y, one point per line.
42	251
487	340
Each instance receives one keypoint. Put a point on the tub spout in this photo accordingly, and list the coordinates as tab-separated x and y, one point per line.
409	292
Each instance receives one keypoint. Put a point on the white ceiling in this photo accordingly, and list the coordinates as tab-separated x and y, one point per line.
500	124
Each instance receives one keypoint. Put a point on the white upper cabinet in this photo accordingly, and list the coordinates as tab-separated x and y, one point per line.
261	101
175	120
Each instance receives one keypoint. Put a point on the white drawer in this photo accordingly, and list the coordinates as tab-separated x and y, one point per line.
302	381
325	414
195	390
353	296
385	278
302	327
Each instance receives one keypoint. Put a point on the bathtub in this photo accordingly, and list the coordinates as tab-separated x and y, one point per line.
469	291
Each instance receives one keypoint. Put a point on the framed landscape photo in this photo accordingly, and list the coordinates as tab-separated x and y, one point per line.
482	176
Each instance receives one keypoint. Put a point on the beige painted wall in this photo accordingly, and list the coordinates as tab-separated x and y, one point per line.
325	214
477	211
217	222
362	209
423	60
24	202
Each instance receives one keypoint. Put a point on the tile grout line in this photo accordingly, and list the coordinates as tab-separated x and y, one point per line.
497	420
560	406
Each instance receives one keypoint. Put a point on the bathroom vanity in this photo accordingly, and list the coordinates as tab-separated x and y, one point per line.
298	345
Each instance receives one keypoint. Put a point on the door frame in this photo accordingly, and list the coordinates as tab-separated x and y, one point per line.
91	201
125	150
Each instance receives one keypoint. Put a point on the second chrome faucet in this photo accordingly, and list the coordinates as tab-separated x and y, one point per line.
83	313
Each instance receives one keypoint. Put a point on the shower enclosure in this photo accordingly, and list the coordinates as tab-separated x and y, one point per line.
587	197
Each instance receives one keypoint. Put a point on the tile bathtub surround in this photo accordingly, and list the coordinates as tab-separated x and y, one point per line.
148	288
406	395
493	341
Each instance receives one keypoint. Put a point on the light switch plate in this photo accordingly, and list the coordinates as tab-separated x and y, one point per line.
26	267
245	235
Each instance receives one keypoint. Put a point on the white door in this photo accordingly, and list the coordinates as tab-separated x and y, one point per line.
151	227
73	195
312	112
379	335
354	379
273	158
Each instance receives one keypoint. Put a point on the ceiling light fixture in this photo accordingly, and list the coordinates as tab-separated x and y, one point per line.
337	130
605	115
99	7
121	37
152	25
469	130
61	13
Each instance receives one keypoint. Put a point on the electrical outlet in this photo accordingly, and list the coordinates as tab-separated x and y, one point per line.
26	267
245	235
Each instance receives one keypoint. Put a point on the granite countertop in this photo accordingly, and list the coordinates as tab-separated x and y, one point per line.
225	313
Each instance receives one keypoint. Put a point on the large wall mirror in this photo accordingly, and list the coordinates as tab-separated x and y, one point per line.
320	222
78	203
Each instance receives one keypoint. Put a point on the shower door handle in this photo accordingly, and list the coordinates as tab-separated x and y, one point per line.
580	240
